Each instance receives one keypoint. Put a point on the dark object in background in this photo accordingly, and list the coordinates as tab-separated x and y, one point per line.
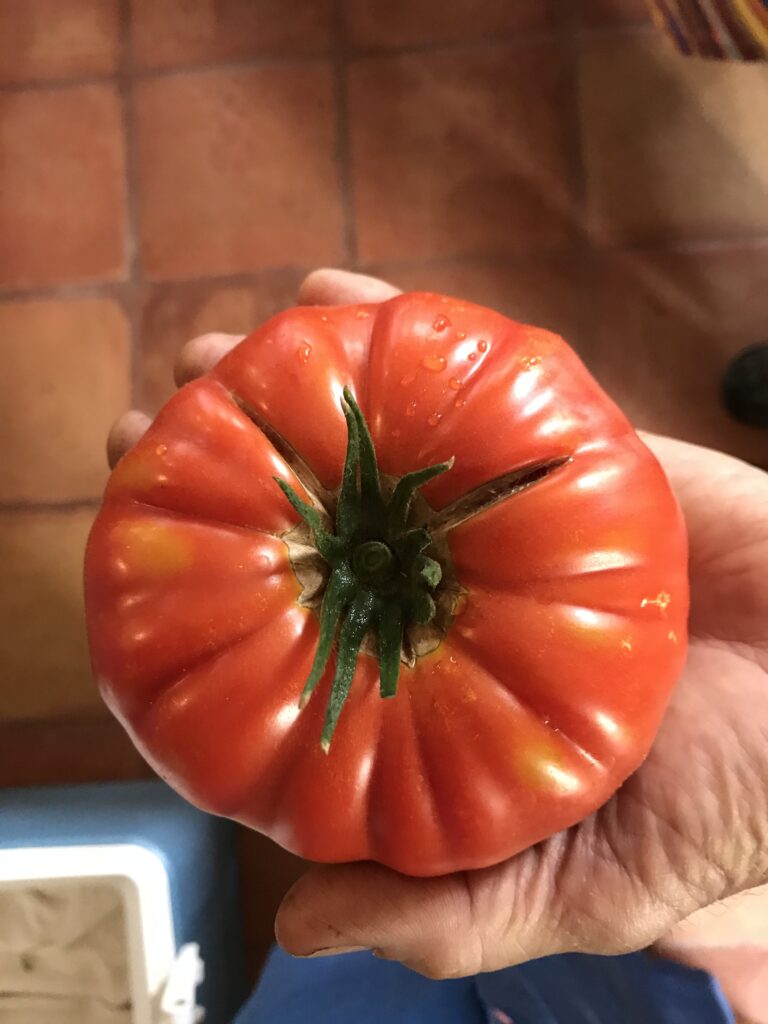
745	386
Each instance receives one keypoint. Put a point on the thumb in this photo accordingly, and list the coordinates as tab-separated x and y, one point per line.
336	909
567	894
450	926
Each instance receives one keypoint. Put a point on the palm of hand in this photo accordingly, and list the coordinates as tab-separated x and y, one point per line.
687	829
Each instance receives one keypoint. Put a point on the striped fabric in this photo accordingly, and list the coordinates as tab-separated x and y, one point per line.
723	29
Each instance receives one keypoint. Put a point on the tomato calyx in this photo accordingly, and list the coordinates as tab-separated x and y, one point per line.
381	577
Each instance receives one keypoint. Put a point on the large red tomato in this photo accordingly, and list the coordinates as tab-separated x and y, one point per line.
528	605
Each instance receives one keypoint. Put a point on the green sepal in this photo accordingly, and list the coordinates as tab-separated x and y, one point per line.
371	499
390	629
330	547
341	587
411	544
348	510
353	629
359	596
423	607
406	487
430	571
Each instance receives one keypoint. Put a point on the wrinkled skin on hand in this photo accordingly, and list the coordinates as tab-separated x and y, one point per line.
687	829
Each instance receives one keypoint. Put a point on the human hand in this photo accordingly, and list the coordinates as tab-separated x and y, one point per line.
687	829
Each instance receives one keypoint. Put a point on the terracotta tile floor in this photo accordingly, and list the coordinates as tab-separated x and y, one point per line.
170	168
471	145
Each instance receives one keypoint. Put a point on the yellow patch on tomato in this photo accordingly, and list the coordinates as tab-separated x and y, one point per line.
152	548
585	629
136	473
540	765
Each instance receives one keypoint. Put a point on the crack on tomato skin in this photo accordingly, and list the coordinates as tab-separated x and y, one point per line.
492	492
320	496
469	505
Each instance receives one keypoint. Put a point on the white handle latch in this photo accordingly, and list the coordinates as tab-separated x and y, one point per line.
177	1002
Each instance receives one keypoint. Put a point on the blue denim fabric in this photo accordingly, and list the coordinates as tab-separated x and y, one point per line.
357	988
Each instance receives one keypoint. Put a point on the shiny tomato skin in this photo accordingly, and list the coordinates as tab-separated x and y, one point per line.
550	684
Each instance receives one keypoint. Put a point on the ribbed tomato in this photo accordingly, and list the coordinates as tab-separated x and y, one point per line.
528	605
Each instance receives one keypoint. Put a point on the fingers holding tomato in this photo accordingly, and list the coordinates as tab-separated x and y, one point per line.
201	354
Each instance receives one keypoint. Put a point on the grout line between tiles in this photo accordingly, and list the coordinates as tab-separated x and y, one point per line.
55	84
513	39
502	40
132	302
77	720
116	290
69	505
342	152
569	43
120	290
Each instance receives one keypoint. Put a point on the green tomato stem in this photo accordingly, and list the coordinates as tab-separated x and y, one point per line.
380	578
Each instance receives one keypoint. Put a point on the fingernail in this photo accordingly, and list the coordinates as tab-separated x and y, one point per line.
332	951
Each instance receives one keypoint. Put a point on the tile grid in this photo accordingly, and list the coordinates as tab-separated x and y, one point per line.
342	54
568	35
569	41
340	59
571	30
132	293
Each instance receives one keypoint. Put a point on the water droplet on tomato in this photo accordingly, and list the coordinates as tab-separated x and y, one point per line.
324	318
362	314
472	357
460	402
409	378
453	659
161	449
441	323
411	409
304	352
482	345
455	384
461	335
434	419
434	361
396	432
